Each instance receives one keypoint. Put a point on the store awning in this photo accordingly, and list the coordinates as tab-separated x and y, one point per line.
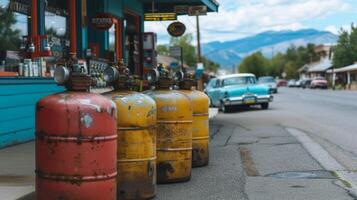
168	6
322	66
345	69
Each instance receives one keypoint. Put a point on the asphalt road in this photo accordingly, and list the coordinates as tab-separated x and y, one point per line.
254	156
329	117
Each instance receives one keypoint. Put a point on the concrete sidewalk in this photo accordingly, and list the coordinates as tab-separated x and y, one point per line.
17	169
250	158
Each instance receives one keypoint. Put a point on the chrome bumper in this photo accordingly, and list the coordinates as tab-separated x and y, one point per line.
232	101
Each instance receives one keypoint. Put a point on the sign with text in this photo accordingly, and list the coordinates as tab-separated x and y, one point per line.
160	16
102	21
175	51
181	9
176	29
197	10
22	7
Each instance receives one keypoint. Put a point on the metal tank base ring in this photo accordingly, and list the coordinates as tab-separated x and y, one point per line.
74	178
136	160
200	114
79	139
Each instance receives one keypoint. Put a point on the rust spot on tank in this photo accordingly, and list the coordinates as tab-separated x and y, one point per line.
151	112
163	170
196	156
151	169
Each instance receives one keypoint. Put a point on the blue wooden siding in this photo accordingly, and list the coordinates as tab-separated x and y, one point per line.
18	97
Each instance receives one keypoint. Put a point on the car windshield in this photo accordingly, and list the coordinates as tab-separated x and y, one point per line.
266	80
239	81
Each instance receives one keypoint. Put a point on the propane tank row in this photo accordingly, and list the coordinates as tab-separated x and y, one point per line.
92	147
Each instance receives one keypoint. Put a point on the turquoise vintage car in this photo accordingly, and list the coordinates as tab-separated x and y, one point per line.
228	91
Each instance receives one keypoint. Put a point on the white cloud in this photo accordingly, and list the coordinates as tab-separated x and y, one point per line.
246	17
336	30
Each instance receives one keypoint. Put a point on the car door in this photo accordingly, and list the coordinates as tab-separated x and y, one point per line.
251	83
210	89
217	93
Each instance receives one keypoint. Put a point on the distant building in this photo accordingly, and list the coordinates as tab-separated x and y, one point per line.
318	68
346	76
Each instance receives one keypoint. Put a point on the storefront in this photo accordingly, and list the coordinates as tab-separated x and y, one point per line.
46	31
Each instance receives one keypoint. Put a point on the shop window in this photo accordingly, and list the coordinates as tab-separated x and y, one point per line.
13	25
57	31
112	39
133	52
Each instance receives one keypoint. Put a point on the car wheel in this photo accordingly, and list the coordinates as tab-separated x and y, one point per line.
265	106
224	108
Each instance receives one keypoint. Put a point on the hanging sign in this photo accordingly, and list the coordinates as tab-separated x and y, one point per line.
102	21
197	10
160	16
181	9
176	51
22	7
176	29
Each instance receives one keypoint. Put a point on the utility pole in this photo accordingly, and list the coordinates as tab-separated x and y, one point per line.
199	59
198	39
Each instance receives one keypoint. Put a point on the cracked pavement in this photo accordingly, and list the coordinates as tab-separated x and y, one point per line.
253	156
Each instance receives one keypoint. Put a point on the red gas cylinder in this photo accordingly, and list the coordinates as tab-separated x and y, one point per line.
76	147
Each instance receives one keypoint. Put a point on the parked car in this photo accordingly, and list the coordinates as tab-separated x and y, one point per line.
282	83
229	91
292	83
305	83
319	82
298	83
270	82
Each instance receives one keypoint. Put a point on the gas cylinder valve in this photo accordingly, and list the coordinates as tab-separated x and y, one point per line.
118	75
184	80
72	75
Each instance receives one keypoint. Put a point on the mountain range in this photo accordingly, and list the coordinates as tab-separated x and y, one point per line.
269	43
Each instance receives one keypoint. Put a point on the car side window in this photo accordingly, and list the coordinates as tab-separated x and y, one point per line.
212	83
218	84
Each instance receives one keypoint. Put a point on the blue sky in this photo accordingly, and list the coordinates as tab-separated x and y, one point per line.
242	18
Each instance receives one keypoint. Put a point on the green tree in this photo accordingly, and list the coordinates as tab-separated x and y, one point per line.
163	50
290	70
255	64
210	65
345	52
189	52
276	66
188	49
9	39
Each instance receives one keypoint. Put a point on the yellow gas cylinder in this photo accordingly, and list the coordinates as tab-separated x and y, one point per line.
174	130
200	126
136	124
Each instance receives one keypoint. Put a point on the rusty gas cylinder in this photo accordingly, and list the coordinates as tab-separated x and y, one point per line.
200	126
76	146
136	125
174	133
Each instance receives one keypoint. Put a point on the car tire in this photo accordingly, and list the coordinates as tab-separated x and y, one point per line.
223	108
265	106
